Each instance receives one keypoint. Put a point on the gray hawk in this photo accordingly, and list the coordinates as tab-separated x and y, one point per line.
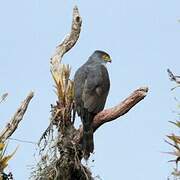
91	87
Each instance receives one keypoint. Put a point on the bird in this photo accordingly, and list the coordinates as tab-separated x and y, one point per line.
91	88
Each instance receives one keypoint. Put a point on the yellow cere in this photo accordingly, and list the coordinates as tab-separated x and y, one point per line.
105	57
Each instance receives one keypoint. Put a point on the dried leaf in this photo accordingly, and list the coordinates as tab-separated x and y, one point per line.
174	138
4	160
2	146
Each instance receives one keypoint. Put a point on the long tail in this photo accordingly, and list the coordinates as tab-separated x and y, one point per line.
88	143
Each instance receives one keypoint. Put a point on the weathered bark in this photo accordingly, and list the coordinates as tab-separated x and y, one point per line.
16	119
69	41
121	109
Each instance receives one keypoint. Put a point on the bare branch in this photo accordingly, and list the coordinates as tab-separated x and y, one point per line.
69	41
15	120
121	109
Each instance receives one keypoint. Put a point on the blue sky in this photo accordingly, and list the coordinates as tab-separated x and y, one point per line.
143	40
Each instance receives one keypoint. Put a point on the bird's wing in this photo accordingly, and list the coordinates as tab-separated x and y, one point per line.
79	80
96	88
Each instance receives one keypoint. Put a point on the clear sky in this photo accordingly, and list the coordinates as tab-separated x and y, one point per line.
143	39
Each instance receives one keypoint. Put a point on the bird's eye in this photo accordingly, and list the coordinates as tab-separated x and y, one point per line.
105	57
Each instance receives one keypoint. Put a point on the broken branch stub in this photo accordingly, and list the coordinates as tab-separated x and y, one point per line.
69	41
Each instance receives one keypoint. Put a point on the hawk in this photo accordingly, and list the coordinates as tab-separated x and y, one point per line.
91	87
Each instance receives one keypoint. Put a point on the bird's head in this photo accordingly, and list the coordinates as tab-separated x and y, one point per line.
102	56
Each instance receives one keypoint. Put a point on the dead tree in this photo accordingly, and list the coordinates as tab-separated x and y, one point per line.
60	145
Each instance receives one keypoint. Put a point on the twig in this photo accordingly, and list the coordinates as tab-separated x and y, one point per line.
23	141
15	120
